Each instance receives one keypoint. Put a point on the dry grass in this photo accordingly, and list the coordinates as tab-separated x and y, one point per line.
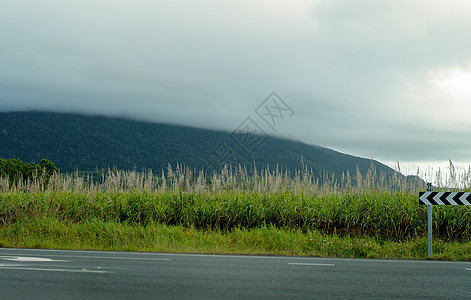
374	208
182	179
358	205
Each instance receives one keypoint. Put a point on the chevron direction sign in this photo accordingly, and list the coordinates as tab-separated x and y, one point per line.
445	198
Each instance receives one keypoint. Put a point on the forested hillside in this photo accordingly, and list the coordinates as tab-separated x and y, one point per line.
83	142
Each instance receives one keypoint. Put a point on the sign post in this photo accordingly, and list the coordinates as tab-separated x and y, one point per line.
429	209
430	198
429	223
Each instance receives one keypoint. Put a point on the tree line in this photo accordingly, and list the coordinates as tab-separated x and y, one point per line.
15	170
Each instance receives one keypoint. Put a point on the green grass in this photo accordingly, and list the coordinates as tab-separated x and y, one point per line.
230	213
383	215
98	235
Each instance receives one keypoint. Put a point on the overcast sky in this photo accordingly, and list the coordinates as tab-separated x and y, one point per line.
389	80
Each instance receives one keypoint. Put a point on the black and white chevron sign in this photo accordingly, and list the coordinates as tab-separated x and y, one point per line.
445	198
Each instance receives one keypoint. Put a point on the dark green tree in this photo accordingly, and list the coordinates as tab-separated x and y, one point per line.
48	166
15	170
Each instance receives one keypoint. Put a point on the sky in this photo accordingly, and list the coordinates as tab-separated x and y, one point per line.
388	80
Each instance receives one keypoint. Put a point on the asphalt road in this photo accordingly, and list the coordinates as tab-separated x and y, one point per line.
57	274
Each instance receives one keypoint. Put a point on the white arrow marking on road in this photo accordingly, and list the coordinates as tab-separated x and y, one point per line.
112	257
28	259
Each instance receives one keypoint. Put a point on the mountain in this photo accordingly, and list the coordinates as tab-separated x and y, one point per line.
82	142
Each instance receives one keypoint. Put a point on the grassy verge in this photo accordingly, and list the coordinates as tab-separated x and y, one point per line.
383	215
98	235
231	213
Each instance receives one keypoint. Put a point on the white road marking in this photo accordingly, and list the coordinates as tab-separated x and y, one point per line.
467	269
28	259
311	264
53	270
41	259
111	257
341	260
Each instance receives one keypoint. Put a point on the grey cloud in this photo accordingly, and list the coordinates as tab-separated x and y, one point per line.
355	72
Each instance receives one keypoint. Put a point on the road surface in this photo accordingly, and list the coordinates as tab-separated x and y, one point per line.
59	274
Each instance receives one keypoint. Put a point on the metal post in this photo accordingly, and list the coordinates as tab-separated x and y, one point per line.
429	230
429	227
